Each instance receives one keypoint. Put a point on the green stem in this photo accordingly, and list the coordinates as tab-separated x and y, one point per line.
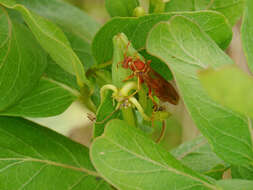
129	116
139	108
85	98
143	98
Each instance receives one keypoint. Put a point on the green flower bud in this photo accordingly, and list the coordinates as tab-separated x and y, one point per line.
139	11
121	47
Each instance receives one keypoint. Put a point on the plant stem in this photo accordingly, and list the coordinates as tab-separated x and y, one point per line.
129	116
143	98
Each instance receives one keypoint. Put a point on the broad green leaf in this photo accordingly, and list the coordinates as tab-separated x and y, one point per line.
231	87
106	111
34	157
235	184
136	29
83	51
159	66
52	39
76	24
122	8
197	155
68	17
56	73
187	49
22	61
46	99
129	160
81	47
247	32
232	9
242	172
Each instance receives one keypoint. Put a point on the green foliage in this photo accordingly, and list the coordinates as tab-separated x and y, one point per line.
138	28
73	20
106	112
236	184
234	93
123	8
52	39
246	33
45	100
22	61
232	9
222	127
52	54
37	155
137	161
196	154
56	73
242	172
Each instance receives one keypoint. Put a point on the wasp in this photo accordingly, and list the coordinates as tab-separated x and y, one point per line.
154	81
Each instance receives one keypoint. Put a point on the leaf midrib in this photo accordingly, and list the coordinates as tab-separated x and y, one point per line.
48	162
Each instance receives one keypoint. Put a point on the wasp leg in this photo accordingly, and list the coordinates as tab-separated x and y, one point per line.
152	99
129	77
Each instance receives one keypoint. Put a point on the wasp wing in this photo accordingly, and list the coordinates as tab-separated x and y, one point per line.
162	88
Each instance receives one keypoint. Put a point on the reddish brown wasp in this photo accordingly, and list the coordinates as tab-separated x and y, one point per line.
145	74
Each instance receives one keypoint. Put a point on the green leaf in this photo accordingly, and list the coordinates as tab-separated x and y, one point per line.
246	33
55	72
129	160
232	9
75	34
68	17
82	49
187	49
136	29
231	87
105	113
235	184
242	172
45	100
197	155
52	39
76	24
159	66
34	157
123	8
22	61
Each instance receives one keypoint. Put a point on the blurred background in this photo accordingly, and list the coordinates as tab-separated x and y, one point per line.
180	128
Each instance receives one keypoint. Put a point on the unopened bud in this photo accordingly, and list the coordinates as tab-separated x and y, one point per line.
139	11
